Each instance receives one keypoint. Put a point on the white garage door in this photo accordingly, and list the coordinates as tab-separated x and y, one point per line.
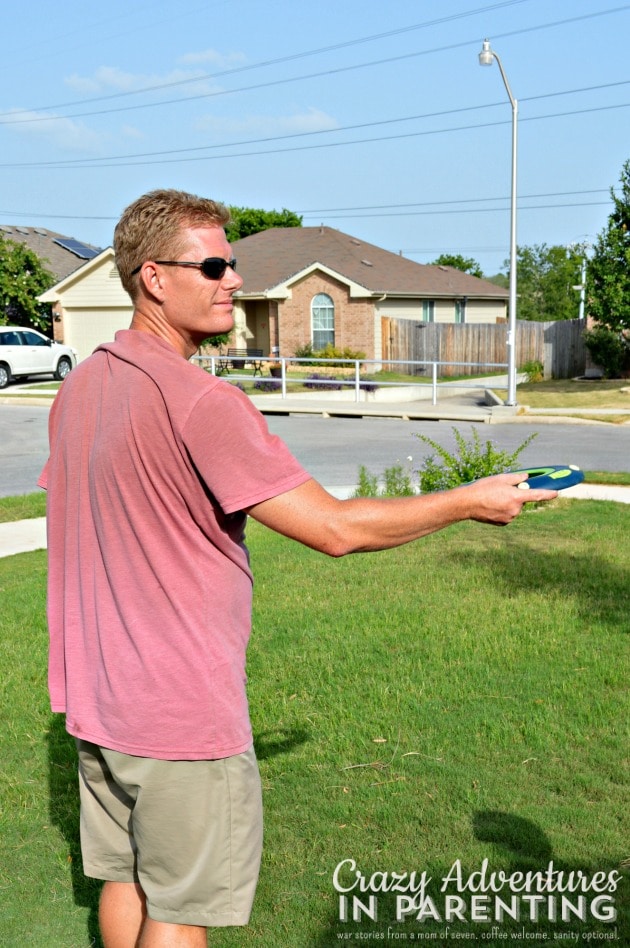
84	330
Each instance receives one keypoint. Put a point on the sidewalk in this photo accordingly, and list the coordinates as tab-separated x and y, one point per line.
23	536
456	402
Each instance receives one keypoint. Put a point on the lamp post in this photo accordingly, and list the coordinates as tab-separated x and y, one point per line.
486	56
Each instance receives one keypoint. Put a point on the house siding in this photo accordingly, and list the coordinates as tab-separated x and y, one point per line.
103	288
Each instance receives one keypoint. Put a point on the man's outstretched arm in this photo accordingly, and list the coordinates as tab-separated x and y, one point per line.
315	518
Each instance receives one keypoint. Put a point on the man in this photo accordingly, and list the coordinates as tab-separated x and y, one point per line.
154	466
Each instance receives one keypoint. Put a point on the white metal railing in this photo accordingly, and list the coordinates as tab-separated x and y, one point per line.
211	363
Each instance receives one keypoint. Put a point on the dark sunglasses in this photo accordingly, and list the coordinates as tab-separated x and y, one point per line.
211	267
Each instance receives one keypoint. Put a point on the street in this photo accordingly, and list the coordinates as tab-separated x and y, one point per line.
332	449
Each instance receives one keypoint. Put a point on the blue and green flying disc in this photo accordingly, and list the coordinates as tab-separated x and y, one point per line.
554	477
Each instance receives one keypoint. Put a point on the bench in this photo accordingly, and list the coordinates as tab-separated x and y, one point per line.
239	358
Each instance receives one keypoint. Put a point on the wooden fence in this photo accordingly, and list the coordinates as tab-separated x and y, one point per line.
558	345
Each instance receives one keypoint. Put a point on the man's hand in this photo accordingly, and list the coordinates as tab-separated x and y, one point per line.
498	500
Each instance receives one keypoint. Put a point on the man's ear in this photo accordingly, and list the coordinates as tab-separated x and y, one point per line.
151	280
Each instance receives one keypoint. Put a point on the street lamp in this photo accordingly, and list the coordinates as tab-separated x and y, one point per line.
486	56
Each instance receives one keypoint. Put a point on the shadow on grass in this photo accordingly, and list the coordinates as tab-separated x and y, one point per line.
516	845
63	787
281	741
600	589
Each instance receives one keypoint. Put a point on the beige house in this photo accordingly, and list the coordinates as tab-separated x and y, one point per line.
318	285
89	305
301	285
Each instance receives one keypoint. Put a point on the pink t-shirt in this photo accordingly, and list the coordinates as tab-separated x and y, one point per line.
152	461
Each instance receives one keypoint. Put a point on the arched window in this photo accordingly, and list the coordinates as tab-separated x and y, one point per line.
322	320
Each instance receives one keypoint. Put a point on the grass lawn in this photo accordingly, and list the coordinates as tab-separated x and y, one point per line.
463	698
23	507
565	393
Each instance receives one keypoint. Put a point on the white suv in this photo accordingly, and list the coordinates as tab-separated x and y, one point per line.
28	352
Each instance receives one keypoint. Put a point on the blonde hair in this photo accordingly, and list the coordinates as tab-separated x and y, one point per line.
152	229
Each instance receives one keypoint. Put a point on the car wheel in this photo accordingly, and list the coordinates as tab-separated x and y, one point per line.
63	367
5	375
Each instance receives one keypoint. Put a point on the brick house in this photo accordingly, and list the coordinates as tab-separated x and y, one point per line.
319	285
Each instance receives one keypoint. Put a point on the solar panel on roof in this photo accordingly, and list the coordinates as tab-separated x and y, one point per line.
77	247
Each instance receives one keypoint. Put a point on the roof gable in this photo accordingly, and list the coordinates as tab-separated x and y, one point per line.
79	279
271	260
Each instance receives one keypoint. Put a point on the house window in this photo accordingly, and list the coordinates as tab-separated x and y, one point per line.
428	311
323	321
460	311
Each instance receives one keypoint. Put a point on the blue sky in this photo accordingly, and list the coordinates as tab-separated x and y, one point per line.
374	118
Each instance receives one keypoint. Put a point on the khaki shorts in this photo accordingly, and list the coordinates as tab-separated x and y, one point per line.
189	832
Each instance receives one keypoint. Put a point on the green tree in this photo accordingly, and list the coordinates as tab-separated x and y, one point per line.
608	270
250	220
545	281
465	264
23	277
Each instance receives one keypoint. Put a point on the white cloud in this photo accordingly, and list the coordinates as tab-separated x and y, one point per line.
111	78
130	131
57	130
312	120
213	58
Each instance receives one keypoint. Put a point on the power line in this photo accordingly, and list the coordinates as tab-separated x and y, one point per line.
459	211
279	60
98	163
327	72
85	162
480	200
391	209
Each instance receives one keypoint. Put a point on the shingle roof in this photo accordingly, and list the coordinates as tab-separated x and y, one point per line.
59	260
272	257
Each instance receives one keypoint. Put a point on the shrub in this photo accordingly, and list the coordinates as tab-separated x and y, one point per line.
534	370
333	384
474	460
368	484
397	483
331	353
608	349
267	385
304	352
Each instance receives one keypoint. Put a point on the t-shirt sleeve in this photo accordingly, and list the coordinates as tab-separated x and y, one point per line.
42	480
239	460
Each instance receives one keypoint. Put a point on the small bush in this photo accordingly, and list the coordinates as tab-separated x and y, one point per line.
534	370
333	384
443	470
608	349
330	353
304	352
397	483
368	484
267	385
